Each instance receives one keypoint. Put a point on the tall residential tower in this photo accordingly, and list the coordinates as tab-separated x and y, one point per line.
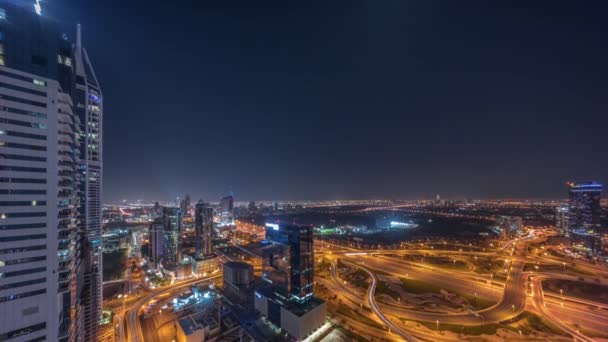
203	224
50	181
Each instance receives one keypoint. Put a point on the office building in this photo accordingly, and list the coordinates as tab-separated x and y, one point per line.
238	282
172	231
287	297
561	220
156	238
203	224
584	206
184	205
50	181
509	226
289	260
227	210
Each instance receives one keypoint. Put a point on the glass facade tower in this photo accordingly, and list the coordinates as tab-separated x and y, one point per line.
288	260
584	206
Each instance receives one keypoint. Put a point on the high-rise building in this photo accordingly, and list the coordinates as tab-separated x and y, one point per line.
50	181
156	237
238	280
88	106
561	220
184	205
227	210
584	206
287	298
289	260
203	224
509	226
172	231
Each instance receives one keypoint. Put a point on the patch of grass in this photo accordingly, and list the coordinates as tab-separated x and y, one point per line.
384	288
556	269
322	267
539	324
417	286
383	273
589	291
483	329
485	265
439	261
351	335
344	310
528	323
478	303
359	278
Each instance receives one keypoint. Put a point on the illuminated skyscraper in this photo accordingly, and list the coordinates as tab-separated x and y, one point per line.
509	225
584	206
156	239
172	235
184	205
88	106
287	299
288	260
227	210
561	220
50	181
203	224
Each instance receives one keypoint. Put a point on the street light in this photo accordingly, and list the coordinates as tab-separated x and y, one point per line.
437	330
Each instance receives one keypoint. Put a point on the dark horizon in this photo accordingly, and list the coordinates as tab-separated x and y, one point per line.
350	99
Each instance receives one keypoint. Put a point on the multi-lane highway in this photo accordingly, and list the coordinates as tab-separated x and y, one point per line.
133	326
512	297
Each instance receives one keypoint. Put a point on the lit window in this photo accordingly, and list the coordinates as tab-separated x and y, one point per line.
33	203
39	82
67	61
2	14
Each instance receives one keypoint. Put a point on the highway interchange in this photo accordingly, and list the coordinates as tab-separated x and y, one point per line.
520	291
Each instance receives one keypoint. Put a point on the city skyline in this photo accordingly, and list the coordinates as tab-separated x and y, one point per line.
314	172
350	100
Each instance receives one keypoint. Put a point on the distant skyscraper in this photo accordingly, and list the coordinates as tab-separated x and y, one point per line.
227	210
203	224
185	206
561	220
156	237
584	206
509	225
172	231
50	181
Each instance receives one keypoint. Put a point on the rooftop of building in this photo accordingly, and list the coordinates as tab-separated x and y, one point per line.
238	265
301	309
591	185
206	319
296	308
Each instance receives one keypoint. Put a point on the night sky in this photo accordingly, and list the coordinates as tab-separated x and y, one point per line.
348	99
